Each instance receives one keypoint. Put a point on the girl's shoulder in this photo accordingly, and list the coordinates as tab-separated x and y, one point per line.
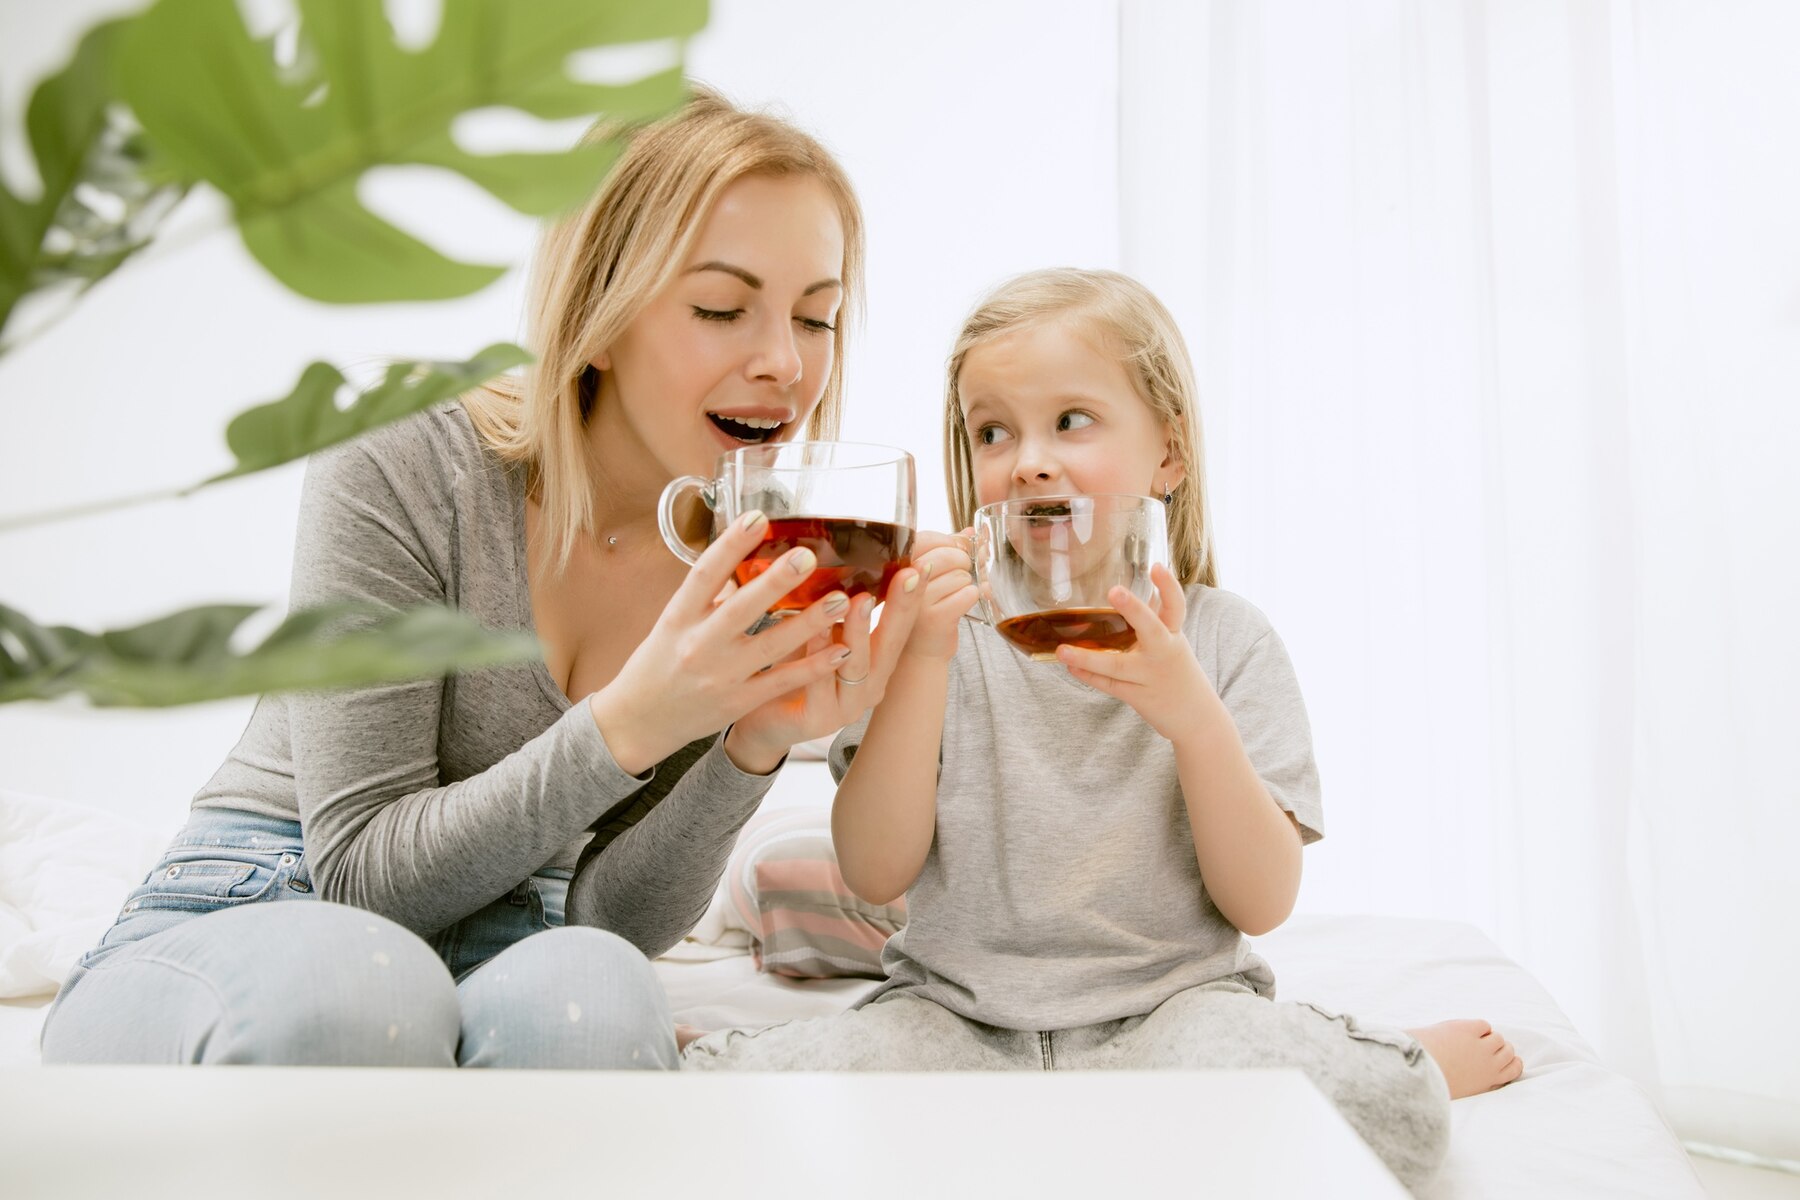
1225	619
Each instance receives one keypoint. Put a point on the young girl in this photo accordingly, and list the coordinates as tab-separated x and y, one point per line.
1083	849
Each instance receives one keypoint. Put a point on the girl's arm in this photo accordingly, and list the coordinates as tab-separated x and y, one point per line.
885	815
1247	847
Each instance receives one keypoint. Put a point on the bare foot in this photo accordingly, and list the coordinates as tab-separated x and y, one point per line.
1472	1055
685	1034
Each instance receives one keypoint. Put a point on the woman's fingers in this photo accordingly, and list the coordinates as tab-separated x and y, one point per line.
793	676
793	631
757	596
717	566
856	640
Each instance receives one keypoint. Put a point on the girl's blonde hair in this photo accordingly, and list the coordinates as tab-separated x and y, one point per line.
597	268
1149	345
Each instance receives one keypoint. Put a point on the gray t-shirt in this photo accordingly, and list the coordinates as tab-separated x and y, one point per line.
424	801
1061	888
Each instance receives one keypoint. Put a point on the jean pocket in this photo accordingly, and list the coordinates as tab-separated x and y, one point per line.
192	882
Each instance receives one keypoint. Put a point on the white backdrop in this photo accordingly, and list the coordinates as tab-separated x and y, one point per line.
1497	314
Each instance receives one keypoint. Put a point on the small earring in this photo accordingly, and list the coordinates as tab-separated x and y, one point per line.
1167	498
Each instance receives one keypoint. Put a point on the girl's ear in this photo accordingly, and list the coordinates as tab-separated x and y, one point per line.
1171	471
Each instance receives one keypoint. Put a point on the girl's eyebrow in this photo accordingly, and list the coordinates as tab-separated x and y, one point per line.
756	281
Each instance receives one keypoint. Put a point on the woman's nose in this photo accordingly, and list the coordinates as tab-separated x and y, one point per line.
776	358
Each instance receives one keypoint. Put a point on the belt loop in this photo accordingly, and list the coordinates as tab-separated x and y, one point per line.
521	895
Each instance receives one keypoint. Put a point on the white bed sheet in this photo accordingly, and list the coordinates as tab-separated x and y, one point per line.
1570	1127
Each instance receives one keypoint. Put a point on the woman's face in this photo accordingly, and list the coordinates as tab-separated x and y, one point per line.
737	349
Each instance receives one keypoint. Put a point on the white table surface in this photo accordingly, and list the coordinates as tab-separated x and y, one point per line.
278	1132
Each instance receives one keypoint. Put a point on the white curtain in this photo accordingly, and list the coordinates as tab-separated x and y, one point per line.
1496	312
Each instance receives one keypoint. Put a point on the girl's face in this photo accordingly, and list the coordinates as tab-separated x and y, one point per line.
1049	410
737	349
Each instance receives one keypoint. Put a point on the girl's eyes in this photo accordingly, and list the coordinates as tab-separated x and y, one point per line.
1069	422
810	324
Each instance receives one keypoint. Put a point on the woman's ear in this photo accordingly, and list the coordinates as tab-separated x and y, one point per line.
601	362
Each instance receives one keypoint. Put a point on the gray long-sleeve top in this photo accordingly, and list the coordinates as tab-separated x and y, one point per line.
424	801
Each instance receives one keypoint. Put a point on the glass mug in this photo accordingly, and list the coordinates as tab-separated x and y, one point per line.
851	504
1044	566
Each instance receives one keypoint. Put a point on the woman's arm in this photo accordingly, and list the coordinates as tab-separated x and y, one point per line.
652	883
382	830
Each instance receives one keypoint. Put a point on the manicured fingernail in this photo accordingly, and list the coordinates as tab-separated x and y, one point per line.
843	652
751	519
803	561
837	602
912	582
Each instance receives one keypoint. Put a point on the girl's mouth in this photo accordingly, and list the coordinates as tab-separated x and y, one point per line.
749	431
1043	514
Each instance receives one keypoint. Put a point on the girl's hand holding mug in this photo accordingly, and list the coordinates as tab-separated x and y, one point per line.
1159	677
949	592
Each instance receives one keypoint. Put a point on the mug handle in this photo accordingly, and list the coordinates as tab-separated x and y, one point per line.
981	612
665	512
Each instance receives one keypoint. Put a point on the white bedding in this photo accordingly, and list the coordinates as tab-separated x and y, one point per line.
1569	1127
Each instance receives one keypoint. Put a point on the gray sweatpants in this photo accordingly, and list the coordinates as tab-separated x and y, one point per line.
1382	1080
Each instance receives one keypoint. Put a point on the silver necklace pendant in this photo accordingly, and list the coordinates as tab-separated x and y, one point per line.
612	541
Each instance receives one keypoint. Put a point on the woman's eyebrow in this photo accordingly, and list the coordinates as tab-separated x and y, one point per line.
755	281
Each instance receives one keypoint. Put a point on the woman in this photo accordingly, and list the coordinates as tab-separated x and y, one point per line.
482	863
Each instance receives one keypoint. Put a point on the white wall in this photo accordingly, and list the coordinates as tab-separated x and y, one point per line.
981	139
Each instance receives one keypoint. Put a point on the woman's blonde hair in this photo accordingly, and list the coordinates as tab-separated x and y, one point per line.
1134	323
599	267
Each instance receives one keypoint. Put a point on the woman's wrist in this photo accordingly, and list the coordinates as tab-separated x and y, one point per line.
750	754
630	749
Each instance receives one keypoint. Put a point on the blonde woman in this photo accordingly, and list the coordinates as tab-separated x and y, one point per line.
472	871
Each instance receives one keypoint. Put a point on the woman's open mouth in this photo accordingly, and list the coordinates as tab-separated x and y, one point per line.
748	431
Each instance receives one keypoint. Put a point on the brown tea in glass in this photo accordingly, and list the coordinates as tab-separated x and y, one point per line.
1040	633
850	504
855	556
1045	567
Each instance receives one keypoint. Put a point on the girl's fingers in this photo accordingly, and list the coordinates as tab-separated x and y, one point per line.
1107	664
707	580
1140	616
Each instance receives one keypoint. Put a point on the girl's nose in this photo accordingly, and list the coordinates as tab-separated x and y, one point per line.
1032	467
776	358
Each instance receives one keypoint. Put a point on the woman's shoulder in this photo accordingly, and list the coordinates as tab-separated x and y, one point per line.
426	455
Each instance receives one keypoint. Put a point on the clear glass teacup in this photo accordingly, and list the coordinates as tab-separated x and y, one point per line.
852	504
1044	566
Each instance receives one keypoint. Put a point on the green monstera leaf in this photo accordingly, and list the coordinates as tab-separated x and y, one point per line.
287	143
99	199
187	657
308	418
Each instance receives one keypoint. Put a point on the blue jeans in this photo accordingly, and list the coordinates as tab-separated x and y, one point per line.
225	954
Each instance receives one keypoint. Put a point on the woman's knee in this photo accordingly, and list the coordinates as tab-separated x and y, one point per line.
569	997
293	983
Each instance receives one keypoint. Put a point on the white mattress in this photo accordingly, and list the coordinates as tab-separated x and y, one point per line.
1569	1127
